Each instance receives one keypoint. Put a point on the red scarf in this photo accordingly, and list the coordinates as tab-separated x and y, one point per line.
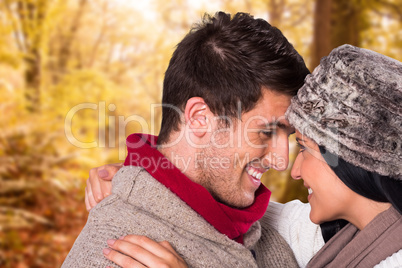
229	221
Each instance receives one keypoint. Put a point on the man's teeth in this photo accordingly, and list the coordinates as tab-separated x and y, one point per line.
255	173
310	191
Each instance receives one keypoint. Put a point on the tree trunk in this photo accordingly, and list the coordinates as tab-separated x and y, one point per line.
275	8
321	45
346	27
33	81
65	50
32	17
335	23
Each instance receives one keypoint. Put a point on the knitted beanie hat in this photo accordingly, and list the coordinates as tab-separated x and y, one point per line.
351	105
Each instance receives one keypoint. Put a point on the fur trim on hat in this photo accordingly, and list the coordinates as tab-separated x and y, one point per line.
351	105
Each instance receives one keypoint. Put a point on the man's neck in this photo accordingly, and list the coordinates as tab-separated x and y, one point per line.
182	159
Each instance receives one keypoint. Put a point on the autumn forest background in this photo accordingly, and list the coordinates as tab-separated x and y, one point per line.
78	76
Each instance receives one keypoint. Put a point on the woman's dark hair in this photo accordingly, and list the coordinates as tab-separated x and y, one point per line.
365	183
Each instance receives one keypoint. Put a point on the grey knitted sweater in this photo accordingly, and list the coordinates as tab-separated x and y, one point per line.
139	204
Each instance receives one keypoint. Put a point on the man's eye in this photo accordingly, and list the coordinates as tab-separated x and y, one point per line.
268	134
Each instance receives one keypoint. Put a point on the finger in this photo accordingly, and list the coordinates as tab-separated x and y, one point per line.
178	261
87	205
166	245
93	180
149	245
120	165
106	187
169	247
106	173
121	259
136	252
89	194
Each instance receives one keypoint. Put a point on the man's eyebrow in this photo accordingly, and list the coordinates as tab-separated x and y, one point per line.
275	124
299	140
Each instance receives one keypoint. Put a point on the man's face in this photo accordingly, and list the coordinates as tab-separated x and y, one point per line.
232	165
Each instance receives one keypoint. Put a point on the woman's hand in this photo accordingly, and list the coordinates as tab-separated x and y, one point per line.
99	184
135	251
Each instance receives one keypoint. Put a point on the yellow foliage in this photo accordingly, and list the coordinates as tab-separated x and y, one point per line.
78	76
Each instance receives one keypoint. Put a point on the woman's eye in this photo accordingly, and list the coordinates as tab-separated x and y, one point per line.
302	148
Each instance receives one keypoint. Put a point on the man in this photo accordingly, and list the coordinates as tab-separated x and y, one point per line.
197	185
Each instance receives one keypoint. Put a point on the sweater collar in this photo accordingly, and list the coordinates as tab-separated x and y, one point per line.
230	221
353	248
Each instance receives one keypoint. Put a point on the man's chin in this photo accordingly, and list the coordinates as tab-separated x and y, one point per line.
235	200
239	204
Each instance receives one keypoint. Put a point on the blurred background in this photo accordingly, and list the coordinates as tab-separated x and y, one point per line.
78	76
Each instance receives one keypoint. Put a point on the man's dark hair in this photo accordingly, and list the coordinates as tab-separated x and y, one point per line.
226	61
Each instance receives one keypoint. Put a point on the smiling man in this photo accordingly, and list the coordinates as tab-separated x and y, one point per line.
230	160
197	184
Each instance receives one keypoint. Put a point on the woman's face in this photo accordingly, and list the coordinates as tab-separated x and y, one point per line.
329	197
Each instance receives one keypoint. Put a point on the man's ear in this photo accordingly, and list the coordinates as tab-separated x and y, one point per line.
196	115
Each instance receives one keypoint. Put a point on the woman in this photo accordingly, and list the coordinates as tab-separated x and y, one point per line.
348	121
